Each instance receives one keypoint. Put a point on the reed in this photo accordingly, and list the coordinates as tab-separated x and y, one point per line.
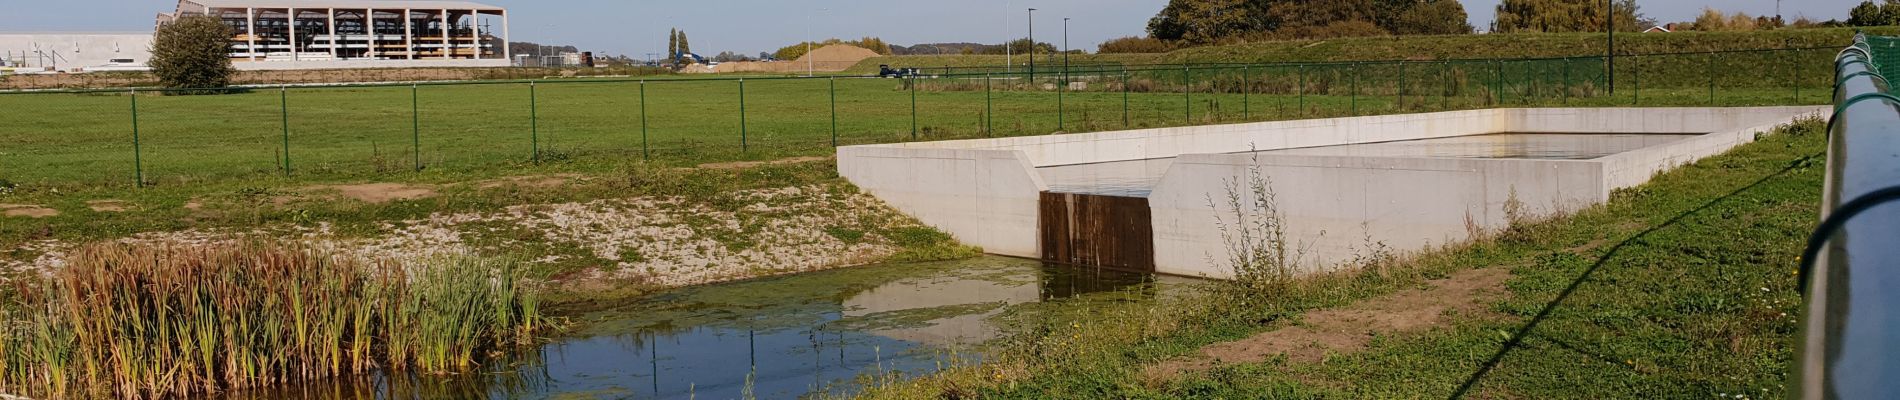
138	321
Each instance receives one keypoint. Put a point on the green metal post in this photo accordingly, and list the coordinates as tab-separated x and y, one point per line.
989	105
1499	86
645	151
1126	122
834	111
415	124
1246	92
913	108
1302	90
1711	72
138	161
534	123
1354	95
744	139
1061	87
1401	85
1187	90
283	109
1794	75
1566	85
1636	80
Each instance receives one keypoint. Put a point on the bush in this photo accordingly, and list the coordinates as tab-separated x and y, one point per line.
193	52
1135	44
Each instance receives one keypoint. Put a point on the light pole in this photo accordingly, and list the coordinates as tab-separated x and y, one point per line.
1609	23
810	70
1009	53
1032	46
1065	50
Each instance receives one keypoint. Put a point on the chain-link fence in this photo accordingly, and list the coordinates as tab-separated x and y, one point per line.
159	136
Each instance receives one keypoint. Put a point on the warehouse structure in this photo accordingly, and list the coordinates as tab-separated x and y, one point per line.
324	34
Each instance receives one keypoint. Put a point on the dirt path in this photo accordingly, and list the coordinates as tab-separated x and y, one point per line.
1349	329
750	164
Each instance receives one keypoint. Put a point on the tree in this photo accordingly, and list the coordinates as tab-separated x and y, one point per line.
1436	17
1869	14
685	48
1197	22
1567	16
193	52
673	45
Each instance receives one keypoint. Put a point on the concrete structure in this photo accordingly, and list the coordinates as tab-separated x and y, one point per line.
73	52
328	34
985	192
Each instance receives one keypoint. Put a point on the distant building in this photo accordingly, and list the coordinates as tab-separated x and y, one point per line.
323	34
74	51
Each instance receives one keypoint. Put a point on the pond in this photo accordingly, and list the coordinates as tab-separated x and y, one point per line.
801	335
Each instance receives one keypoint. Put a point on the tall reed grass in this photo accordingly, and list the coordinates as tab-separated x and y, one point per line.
172	321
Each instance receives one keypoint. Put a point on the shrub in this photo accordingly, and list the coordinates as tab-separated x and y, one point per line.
193	52
1136	44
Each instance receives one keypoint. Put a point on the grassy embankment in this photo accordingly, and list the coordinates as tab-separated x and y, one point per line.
1648	296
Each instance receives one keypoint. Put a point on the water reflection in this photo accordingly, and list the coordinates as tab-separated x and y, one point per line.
773	338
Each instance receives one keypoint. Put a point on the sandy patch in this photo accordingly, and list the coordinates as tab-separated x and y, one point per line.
750	164
378	193
109	205
1349	329
533	181
194	205
27	210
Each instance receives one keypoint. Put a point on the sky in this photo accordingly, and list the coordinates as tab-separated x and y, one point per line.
637	27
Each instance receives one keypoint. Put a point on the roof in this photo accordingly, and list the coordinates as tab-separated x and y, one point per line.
377	4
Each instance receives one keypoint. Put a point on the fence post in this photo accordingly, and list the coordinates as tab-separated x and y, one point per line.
744	139
1711	72
415	124
1302	90
1499	86
1354	94
1794	74
1636	80
1062	85
1246	92
138	161
913	108
989	105
834	111
283	109
1401	85
1187	90
534	123
1566	85
1126	123
646	153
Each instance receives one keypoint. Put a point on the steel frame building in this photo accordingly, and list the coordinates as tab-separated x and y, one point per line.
362	33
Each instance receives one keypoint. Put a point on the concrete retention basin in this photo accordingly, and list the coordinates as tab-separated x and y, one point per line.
1336	204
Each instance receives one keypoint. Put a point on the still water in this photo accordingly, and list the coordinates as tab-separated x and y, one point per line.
1137	178
795	336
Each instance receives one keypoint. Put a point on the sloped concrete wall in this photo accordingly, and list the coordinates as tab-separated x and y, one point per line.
986	198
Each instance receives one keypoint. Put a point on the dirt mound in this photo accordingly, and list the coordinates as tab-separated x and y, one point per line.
378	193
27	210
109	205
833	58
1348	329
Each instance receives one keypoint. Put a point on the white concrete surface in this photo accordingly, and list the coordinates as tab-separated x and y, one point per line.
71	51
985	191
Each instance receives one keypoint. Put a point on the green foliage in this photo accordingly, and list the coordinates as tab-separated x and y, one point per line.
134	321
1202	22
193	52
1869	14
1136	44
1567	16
673	44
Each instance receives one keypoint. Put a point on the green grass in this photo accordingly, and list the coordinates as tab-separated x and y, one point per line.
1638	298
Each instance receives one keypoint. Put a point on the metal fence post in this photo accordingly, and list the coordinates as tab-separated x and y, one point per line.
834	111
1354	89
1246	92
534	123
1302	90
989	105
415	124
1566	85
1187	90
1062	86
913	108
1794	74
744	139
138	161
1126	122
1636	80
283	109
1711	72
1499	86
1401	85
645	151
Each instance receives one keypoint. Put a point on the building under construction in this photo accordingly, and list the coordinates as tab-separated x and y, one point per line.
313	34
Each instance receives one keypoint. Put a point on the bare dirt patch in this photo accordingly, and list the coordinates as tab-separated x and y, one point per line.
27	210
750	164
532	181
378	193
1349	329
109	205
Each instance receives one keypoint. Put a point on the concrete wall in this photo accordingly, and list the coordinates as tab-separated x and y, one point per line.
76	50
984	191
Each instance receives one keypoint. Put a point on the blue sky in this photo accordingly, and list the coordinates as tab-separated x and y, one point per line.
636	27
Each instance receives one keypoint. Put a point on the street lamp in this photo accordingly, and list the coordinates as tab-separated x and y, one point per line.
1009	53
1065	50
810	70
1032	46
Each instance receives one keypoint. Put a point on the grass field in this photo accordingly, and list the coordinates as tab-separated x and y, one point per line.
1637	298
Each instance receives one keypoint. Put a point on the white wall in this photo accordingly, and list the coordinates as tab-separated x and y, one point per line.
77	50
358	64
986	198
